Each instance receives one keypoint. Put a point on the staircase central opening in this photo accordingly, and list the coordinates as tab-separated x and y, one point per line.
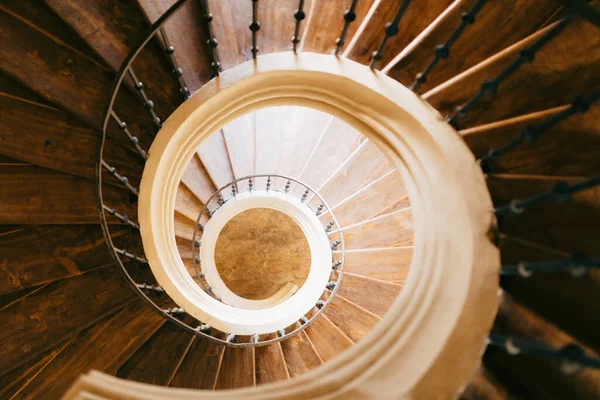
261	250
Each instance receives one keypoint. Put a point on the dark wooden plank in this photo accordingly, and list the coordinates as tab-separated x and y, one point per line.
300	355
270	363
483	386
231	19
497	26
6	300
327	339
237	369
566	226
37	255
51	138
567	66
48	316
123	26
12	88
277	24
330	14
158	360
200	366
13	382
353	320
569	149
103	347
35	195
371	294
187	33
531	377
418	15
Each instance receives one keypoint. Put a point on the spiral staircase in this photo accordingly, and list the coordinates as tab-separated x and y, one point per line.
301	199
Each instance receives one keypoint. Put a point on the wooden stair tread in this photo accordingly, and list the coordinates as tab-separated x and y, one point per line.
104	346
230	26
417	17
560	225
276	18
270	363
394	229
371	200
353	320
196	178
483	386
214	157
327	339
157	361
365	164
389	264
46	317
575	139
237	369
300	355
187	204
200	366
51	198
184	227
7	300
476	43
536	86
240	140
269	123
371	294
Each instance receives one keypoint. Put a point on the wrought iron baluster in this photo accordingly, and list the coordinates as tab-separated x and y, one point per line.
132	256
561	191
177	71
490	86
349	17
532	133
442	51
153	287
576	264
391	29
148	104
121	217
132	139
299	15
123	179
254	27
212	42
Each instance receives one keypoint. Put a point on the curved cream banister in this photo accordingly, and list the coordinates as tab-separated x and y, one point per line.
432	338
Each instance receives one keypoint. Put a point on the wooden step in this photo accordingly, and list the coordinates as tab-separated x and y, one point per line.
187	32
371	200
530	376
200	366
36	255
6	300
270	363
277	23
55	198
388	264
331	15
237	370
371	294
394	229
184	227
554	78
214	157
566	226
240	141
186	203
197	179
484	386
568	149
327	339
104	347
157	361
417	17
269	124
353	320
231	19
300	355
48	316
366	164
494	29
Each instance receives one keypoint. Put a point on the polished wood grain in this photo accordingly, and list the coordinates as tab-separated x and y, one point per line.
231	19
48	316
371	294
41	254
184	227
388	264
200	366
567	149
300	355
196	178
567	226
327	339
215	158
353	320
50	198
157	361
495	28
240	140
187	204
416	18
394	229
6	300
104	347
270	125
551	80
237	369
277	23
270	363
